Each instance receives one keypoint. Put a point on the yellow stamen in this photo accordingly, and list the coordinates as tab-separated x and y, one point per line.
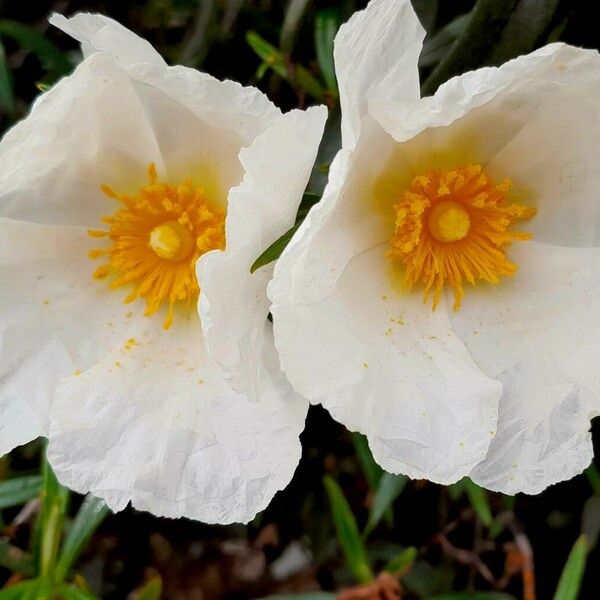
155	239
453	226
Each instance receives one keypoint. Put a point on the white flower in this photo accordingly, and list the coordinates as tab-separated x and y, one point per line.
129	170
480	203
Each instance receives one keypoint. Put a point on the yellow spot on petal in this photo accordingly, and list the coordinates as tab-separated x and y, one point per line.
365	365
200	381
77	372
46	302
154	240
452	226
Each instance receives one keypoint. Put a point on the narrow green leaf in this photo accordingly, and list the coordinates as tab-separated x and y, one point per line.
26	590
7	100
347	532
570	579
19	490
479	501
273	252
473	46
437	46
302	77
291	23
50	521
427	11
526	25
593	477
151	590
91	513
389	488
326	26
590	520
401	561
70	592
51	56
373	472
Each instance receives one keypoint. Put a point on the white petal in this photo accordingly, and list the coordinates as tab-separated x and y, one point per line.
157	425
90	129
538	333
386	365
376	55
98	33
54	320
233	303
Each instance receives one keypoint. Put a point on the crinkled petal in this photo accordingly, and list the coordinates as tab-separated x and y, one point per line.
538	334
534	120
54	320
157	426
97	33
384	364
376	55
233	303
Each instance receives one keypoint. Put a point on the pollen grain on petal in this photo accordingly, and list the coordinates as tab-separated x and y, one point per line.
453	226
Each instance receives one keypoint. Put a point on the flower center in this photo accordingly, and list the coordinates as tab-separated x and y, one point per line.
171	241
155	239
448	221
452	226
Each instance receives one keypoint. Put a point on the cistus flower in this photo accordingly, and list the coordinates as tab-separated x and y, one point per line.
125	174
444	296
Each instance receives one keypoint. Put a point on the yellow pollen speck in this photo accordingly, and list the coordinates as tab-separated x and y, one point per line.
117	364
77	372
154	240
365	365
452	226
46	302
200	381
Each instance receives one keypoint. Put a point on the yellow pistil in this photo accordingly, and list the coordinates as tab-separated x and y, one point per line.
156	238
453	226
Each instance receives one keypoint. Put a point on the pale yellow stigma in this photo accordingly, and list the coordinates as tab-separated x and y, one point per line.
171	241
452	226
155	239
448	222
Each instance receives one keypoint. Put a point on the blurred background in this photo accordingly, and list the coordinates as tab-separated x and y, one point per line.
342	522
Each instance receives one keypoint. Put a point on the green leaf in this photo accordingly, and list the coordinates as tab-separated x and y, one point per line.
15	560
437	46
427	11
91	513
151	590
473	46
298	75
19	490
326	26
389	488
27	590
50	521
397	564
593	476
526	25
52	57
479	501
70	592
473	596
291	23
373	472
590	520
273	252
7	100
570	579
347	532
